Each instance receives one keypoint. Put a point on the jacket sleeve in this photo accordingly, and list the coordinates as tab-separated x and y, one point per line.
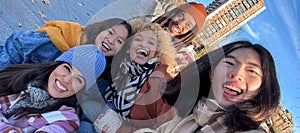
150	110
65	120
10	53
27	47
6	128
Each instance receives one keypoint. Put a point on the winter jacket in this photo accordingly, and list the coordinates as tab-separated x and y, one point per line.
63	120
207	117
150	109
40	46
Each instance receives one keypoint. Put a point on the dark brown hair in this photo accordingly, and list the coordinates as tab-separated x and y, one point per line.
241	116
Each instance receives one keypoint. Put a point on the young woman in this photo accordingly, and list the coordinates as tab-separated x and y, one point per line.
56	37
41	97
243	86
149	47
183	22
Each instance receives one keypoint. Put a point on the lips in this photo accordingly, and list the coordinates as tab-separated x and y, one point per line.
60	87
232	91
142	52
105	46
176	29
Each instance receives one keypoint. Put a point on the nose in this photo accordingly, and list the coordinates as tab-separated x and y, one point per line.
68	79
144	44
237	74
110	40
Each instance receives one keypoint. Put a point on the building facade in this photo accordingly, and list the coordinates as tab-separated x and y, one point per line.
280	122
225	17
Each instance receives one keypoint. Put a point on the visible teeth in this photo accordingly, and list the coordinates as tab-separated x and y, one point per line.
233	88
60	86
176	29
142	52
106	46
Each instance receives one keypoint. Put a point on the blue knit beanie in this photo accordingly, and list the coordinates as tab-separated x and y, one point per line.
88	59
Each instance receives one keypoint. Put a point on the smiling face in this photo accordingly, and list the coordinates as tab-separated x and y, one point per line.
65	81
111	40
237	77
143	47
181	24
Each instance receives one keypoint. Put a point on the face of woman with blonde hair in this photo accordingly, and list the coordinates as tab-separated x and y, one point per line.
143	47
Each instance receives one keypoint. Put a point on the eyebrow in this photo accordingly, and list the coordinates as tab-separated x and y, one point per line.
82	77
78	70
70	65
251	63
113	29
152	38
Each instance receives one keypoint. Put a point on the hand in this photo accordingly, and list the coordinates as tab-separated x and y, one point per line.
108	122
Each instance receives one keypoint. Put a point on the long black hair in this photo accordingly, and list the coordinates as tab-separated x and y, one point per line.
91	31
15	79
241	116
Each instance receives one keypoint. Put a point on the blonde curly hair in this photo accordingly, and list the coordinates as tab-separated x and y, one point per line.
166	52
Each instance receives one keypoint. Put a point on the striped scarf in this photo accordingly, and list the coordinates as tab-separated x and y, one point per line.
127	85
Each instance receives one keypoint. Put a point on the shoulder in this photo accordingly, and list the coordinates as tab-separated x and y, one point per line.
60	22
161	72
63	113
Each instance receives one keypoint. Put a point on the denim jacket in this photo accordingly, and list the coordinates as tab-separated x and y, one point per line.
27	47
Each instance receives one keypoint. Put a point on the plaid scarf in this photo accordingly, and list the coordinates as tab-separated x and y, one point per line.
35	98
208	117
126	86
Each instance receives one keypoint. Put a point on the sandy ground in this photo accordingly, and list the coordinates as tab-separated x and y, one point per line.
18	15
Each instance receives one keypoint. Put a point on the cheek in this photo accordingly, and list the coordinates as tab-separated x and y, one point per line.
254	85
153	54
78	88
131	52
99	38
118	47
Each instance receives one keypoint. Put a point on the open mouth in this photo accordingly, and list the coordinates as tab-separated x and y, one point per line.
176	29
62	88
232	91
142	52
106	46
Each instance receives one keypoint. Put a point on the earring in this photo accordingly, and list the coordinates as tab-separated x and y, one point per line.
230	75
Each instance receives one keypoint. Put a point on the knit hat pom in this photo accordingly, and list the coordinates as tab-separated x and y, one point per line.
197	11
88	59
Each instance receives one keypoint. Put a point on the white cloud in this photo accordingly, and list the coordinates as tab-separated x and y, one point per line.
249	30
268	29
288	13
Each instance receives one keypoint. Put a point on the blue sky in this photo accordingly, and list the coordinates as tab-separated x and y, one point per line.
277	28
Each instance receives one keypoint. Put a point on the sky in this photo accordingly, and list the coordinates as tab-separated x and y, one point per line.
277	29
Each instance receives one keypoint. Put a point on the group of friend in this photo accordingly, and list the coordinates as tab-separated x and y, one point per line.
133	76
